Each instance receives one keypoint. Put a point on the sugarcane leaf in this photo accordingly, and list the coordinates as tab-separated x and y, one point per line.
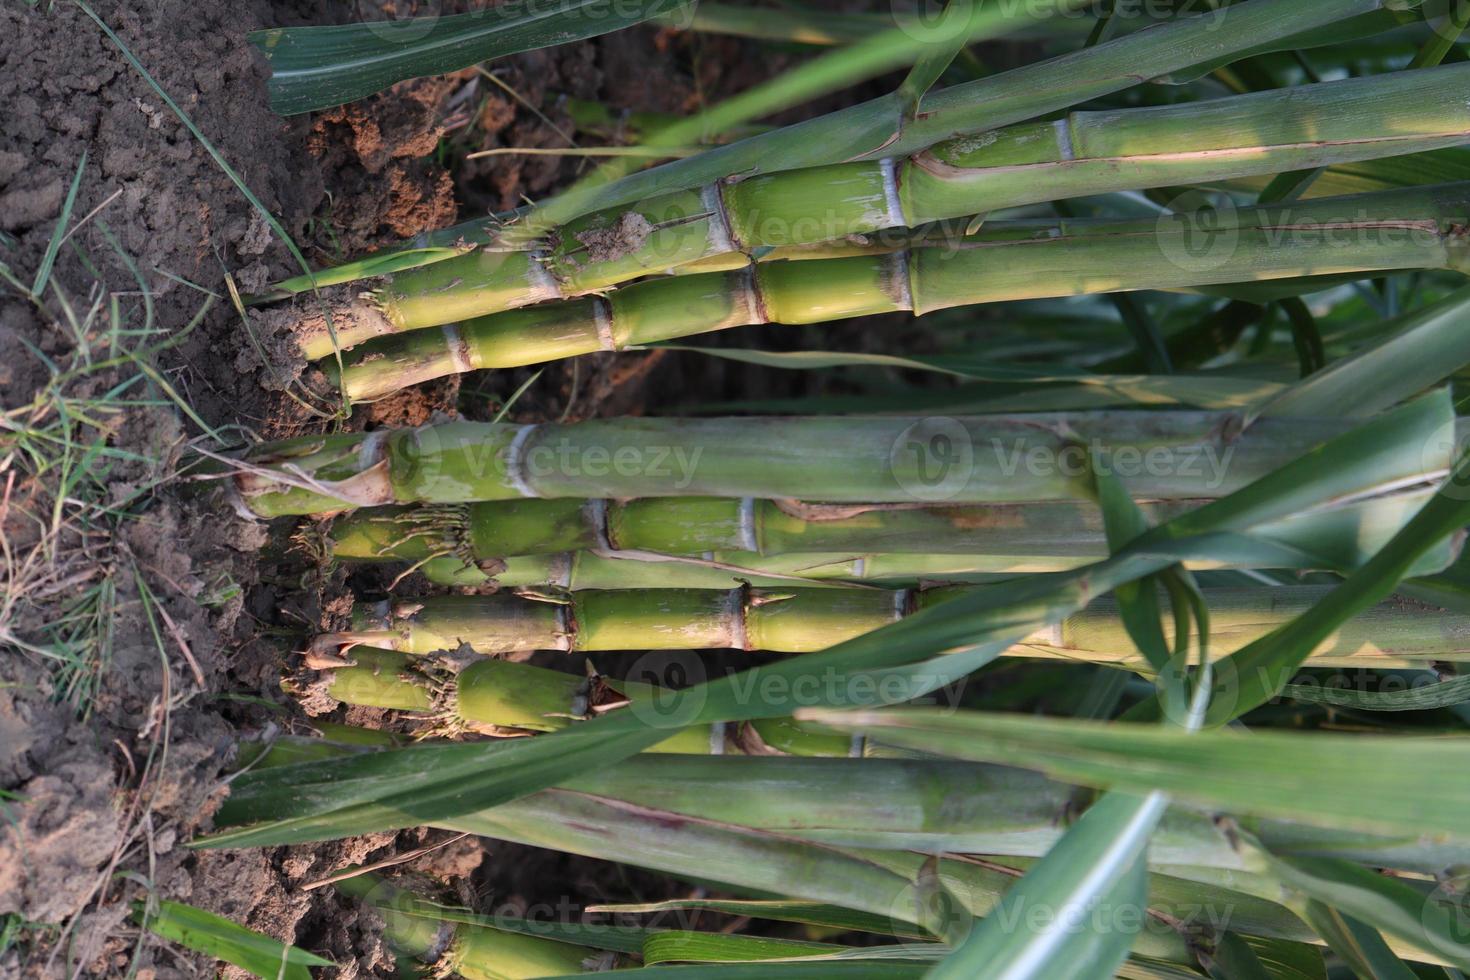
1258	671
414	785
1426	698
715	947
1355	27
1205	390
1348	782
1443	36
1359	944
213	935
382	264
777	910
1143	968
319	67
681	946
1099	863
1426	346
1141	391
1305	336
1289	186
765	970
623	939
1145	332
1283	959
711	849
961	365
945	39
1234	959
1389	905
1138	602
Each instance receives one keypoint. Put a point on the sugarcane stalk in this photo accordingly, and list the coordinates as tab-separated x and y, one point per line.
465	949
1176	455
697	525
501	698
1402	632
625	544
584	570
1084	153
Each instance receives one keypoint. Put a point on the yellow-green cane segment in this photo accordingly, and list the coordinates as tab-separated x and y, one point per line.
1392	634
691	542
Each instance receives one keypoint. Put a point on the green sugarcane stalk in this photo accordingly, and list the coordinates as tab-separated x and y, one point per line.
671	543
1398	633
583	570
1024	260
464	949
1084	153
501	698
1176	455
489	530
699	525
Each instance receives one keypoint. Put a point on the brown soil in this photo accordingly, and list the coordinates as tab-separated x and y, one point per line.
102	784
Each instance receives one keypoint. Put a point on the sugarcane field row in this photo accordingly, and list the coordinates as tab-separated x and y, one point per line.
738	489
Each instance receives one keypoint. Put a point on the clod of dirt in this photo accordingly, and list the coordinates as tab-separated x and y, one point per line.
379	151
624	238
282	330
67	829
